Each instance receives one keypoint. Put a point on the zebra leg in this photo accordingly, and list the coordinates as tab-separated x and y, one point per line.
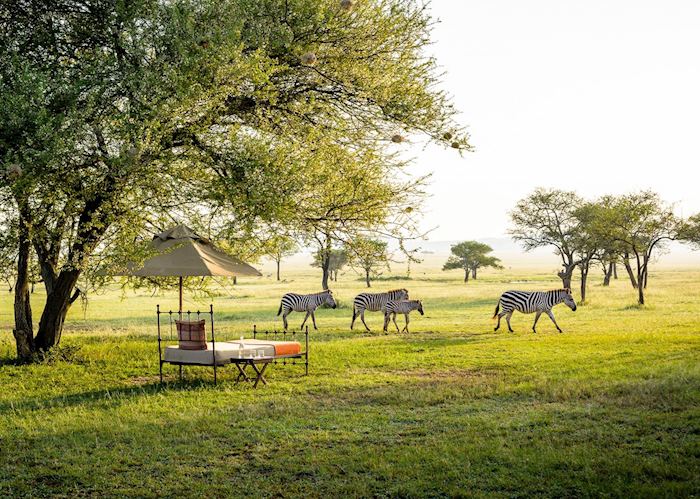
362	316
354	316
508	316
405	328
499	321
537	317
305	318
551	316
386	321
393	317
284	319
313	319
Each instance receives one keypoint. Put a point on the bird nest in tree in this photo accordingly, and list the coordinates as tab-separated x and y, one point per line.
13	171
309	59
347	5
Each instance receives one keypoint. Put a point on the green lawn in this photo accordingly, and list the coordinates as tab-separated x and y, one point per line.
611	407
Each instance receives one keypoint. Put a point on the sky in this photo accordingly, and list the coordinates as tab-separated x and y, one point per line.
593	96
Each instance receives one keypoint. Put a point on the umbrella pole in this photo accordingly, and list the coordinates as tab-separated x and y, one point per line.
180	297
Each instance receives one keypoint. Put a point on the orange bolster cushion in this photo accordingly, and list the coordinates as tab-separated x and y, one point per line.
287	347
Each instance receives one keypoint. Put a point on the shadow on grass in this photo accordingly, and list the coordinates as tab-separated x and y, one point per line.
194	378
636	307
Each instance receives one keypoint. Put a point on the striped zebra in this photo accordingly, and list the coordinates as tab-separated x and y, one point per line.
374	302
404	307
305	303
528	302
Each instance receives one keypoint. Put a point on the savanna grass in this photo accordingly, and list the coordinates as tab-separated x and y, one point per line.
610	407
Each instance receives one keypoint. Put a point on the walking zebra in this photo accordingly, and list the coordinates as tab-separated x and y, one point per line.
528	302
404	307
374	302
305	303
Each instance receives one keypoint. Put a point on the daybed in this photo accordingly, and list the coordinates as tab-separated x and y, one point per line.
254	352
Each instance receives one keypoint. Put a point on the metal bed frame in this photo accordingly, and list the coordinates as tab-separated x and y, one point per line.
241	363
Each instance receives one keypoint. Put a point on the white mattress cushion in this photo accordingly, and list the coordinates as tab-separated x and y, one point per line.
225	351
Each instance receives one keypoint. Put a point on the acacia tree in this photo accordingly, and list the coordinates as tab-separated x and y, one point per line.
642	223
367	193
331	262
470	256
369	255
114	114
689	231
548	218
281	246
587	242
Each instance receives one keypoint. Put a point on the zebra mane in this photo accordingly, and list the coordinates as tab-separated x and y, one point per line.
560	293
397	290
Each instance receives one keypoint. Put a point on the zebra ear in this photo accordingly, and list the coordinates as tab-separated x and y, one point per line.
568	290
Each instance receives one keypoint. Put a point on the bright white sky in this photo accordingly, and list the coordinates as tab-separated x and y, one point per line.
596	96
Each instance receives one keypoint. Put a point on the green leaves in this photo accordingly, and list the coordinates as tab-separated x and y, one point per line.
470	255
237	115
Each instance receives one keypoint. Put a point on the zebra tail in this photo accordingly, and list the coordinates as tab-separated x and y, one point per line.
498	307
280	310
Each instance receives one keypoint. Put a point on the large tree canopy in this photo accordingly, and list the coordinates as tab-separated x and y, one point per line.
119	114
547	217
642	224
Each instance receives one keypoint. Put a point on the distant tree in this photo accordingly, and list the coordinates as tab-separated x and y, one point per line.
331	261
369	255
548	218
608	262
364	194
279	247
690	231
641	223
411	257
587	241
470	256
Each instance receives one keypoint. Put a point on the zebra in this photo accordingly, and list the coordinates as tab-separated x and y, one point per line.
528	302
374	302
305	303
401	307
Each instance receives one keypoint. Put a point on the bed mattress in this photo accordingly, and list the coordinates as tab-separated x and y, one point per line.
227	350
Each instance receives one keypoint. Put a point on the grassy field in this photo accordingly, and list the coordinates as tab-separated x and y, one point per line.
611	407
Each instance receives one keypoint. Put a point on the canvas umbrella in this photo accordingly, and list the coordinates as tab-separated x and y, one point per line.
183	253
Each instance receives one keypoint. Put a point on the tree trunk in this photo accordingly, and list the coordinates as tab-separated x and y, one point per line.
466	276
474	272
57	304
584	279
640	281
278	270
324	279
630	272
566	274
326	261
367	278
608	274
614	269
24	329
